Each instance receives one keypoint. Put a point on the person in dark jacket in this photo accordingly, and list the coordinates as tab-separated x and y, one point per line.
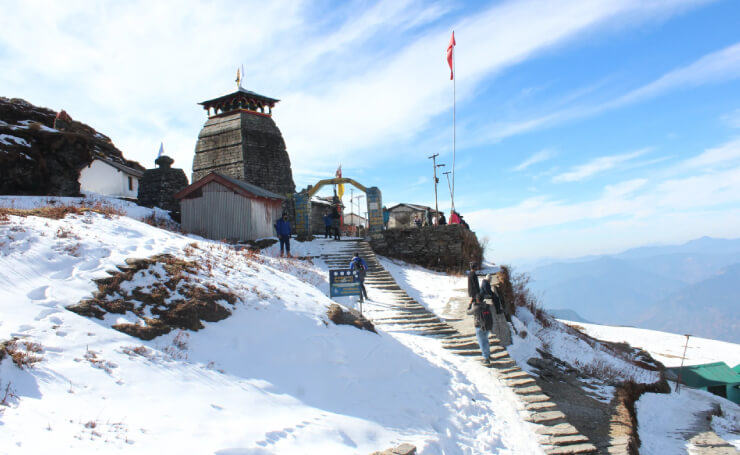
335	219
473	286
327	225
476	308
283	231
442	220
359	264
386	218
488	293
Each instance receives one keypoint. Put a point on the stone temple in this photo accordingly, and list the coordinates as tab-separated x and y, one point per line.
241	140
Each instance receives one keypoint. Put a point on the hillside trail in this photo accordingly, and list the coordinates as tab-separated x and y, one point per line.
404	314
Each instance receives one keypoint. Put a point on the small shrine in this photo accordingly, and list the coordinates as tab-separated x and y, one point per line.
158	186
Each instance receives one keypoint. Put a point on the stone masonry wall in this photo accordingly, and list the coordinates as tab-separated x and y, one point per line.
445	248
247	147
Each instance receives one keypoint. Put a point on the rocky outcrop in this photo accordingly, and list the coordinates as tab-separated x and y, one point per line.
444	248
38	157
158	186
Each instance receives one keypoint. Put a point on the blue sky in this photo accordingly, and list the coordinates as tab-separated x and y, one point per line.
583	126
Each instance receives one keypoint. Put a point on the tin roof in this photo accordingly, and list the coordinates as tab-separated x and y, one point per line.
705	375
239	186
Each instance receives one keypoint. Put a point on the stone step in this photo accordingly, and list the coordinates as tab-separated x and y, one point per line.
572	449
468	352
525	382
531	390
565	440
561	429
540	406
506	363
547	418
499	355
515	375
413	317
509	370
535	398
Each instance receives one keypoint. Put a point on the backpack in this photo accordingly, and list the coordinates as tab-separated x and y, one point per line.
486	318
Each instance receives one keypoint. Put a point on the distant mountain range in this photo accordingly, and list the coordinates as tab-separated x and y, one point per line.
692	288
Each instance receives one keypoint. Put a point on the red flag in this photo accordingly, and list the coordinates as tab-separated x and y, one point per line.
450	49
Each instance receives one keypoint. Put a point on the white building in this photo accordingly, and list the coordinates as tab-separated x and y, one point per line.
111	178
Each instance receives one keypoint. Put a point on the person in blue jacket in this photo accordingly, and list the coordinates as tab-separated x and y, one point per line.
283	231
359	264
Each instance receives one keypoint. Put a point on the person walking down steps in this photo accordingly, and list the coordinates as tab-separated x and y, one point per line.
283	231
359	264
327	225
483	321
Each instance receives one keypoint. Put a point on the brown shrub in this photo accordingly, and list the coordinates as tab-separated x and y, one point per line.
23	352
349	317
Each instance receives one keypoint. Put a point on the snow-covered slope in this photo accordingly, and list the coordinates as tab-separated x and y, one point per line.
274	377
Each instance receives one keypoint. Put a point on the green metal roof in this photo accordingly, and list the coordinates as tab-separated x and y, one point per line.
707	375
736	368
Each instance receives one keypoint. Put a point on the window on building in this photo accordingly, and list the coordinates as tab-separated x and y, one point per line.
130	183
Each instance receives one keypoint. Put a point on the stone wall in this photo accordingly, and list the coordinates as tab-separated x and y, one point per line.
445	248
245	146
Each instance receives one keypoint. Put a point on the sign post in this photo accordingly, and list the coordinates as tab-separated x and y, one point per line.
344	283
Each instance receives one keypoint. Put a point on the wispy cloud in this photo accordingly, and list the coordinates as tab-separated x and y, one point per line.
719	66
596	166
732	119
722	155
716	67
542	155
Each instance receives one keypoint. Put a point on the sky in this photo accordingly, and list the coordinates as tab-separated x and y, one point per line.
581	126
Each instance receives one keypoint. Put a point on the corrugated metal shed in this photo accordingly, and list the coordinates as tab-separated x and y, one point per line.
707	375
223	208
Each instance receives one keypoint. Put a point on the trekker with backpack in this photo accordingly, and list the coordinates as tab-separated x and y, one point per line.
483	321
359	264
488	293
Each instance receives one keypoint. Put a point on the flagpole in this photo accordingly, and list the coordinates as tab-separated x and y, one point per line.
454	130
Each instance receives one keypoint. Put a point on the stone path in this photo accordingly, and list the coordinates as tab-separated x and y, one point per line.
557	436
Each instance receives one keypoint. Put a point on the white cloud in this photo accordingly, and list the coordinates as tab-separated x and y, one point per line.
732	119
716	67
135	69
596	166
720	155
542	155
719	66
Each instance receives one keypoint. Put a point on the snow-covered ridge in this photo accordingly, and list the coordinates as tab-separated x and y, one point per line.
274	377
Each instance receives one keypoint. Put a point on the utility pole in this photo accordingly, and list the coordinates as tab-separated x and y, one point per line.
359	197
678	380
434	168
447	174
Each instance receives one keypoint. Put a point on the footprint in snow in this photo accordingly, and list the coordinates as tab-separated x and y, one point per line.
89	264
44	313
38	293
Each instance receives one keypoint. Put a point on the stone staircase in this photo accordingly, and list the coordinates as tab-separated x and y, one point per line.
557	436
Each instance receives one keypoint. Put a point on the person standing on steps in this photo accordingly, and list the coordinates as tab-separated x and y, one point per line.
359	264
473	286
488	293
483	322
386	218
283	231
327	225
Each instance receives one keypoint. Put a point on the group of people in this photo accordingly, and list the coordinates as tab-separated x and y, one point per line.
331	224
482	311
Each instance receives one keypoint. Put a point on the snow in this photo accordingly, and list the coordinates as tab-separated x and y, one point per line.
275	377
41	126
668	348
666	421
7	139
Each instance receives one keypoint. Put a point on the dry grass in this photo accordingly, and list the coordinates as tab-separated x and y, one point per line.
60	211
23	353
